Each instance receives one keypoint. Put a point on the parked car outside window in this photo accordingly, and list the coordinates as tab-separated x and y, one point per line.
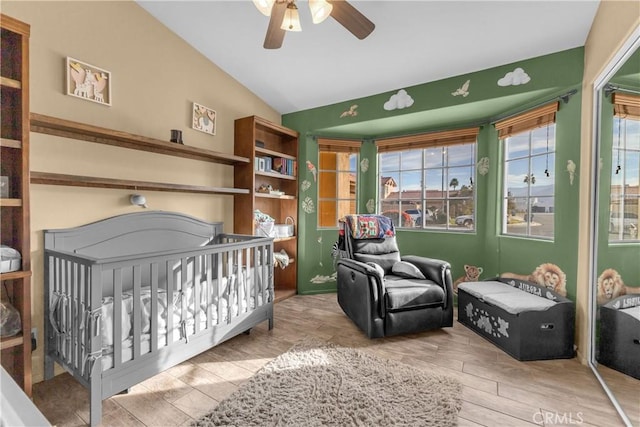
465	221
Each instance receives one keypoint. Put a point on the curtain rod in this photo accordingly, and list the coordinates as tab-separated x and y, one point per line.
609	89
564	98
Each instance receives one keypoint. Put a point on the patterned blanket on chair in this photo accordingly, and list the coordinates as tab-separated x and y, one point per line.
368	226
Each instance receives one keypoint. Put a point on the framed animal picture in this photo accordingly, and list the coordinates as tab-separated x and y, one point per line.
88	82
204	119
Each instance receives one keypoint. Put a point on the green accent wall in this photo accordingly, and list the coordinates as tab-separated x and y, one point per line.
435	108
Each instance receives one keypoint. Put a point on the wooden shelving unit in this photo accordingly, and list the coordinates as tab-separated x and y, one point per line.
275	141
15	351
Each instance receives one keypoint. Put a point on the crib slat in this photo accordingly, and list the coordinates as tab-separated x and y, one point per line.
247	281
84	308
58	316
95	306
154	307
117	317
255	277
196	292
67	312
171	303
224	292
137	316
184	303
208	291
74	315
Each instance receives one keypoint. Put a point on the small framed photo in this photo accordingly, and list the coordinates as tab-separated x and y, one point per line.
204	119
88	82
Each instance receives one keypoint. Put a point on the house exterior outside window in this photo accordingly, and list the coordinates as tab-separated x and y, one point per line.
337	180
529	146
427	181
624	209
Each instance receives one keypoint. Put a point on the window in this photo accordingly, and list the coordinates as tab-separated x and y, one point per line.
529	146
427	181
625	170
337	180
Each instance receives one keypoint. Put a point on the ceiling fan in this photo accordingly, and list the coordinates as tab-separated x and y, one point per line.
284	17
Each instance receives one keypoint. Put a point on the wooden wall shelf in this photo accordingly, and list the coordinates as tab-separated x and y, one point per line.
91	181
11	143
7	82
15	275
16	203
9	342
84	132
277	175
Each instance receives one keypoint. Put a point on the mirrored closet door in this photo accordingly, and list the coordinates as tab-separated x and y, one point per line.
615	259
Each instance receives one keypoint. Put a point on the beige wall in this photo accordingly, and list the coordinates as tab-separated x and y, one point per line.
156	77
613	24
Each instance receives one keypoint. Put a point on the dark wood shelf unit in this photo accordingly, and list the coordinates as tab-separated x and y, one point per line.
84	132
257	137
15	351
47	178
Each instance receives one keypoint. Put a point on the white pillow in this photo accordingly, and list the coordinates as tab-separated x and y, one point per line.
406	269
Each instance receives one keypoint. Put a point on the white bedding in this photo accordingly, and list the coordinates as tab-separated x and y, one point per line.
181	302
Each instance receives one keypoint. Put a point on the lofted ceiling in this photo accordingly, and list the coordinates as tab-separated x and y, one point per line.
414	42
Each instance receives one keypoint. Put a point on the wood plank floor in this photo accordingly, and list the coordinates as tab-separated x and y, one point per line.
497	389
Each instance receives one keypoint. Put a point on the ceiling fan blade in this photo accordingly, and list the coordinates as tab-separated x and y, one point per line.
275	34
351	19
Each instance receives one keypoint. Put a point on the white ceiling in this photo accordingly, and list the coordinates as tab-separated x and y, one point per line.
414	42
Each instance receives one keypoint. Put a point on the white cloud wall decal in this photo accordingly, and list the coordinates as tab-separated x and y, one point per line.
399	101
515	78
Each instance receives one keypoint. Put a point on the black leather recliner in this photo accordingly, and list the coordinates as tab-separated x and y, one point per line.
386	294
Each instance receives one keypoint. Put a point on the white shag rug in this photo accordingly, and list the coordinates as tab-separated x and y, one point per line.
320	384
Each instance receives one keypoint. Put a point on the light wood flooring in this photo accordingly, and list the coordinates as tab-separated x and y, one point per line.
497	389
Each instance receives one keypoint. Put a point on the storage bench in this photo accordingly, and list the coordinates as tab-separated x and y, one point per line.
619	342
526	320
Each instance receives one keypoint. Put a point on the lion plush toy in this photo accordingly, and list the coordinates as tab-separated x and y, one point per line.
471	274
550	276
547	275
610	286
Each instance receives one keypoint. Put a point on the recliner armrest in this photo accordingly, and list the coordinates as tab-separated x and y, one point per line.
359	267
434	269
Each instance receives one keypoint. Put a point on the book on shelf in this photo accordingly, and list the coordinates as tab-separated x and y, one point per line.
279	164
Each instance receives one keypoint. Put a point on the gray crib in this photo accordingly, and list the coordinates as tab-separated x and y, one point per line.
130	296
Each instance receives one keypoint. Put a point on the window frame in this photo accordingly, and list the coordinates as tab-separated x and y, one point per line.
518	125
421	144
619	156
337	147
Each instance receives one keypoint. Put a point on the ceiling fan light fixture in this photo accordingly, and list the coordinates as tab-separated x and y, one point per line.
320	10
291	21
264	6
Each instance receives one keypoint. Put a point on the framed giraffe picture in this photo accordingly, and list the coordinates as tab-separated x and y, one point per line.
88	82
